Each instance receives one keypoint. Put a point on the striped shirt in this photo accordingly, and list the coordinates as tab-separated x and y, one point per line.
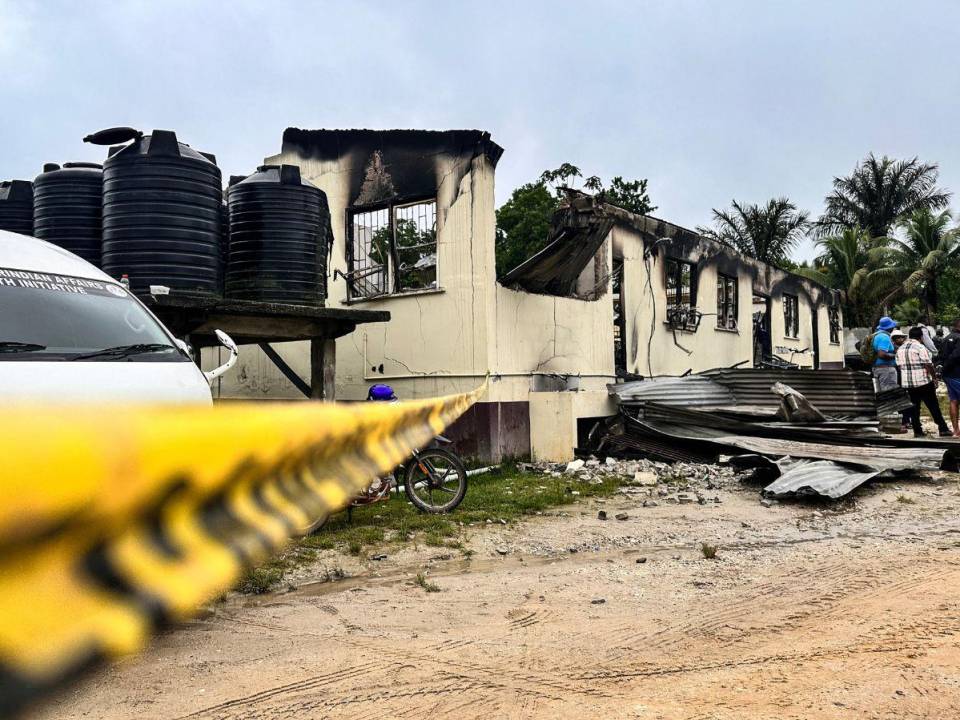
915	364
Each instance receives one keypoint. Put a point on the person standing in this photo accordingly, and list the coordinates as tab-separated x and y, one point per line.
899	337
950	356
885	365
919	378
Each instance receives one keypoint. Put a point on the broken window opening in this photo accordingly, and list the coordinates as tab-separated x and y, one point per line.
833	313
726	302
791	316
392	249
681	295
619	320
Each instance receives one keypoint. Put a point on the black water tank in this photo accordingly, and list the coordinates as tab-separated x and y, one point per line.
67	204
161	213
279	224
16	206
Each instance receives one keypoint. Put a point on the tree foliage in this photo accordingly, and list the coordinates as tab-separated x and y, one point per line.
766	232
853	263
921	255
523	221
878	193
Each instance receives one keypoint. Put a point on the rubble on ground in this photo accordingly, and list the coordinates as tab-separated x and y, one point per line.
811	432
671	483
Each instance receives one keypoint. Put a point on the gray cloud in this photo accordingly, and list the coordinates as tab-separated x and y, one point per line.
709	100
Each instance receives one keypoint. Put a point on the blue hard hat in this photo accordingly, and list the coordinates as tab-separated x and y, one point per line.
380	392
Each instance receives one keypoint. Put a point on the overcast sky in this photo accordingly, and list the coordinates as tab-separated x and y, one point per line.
708	100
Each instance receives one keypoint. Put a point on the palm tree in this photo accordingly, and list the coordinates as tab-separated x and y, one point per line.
766	233
853	263
878	193
919	259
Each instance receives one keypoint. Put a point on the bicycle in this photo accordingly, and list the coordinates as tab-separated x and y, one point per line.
434	469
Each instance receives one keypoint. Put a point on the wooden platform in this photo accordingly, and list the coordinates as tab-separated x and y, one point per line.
261	323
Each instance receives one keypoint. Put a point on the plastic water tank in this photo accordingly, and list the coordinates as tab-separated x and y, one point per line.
279	225
161	213
16	206
67	204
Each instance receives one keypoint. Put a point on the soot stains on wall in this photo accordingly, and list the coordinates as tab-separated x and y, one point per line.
411	163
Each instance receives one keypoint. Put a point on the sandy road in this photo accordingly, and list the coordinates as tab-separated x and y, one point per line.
806	613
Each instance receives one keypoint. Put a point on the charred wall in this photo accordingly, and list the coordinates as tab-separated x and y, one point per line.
394	165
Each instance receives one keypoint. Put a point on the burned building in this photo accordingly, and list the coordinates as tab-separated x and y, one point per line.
612	294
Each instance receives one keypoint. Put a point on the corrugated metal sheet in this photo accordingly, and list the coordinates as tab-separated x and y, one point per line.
820	477
863	455
834	392
892	401
718	421
689	391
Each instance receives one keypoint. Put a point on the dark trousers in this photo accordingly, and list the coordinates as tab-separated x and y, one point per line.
928	395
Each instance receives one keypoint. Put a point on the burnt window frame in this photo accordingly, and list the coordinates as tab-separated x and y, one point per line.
673	303
392	273
833	323
795	325
724	312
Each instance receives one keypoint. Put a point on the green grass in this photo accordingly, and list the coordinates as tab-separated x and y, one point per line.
504	494
422	581
905	499
709	551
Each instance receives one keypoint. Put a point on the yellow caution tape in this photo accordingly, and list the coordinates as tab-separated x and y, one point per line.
115	521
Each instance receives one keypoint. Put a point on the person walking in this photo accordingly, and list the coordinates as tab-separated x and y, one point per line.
885	364
919	378
950	357
899	337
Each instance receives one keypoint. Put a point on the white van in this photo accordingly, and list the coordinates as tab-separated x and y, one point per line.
70	333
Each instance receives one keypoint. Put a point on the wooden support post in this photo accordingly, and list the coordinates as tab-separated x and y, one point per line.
323	367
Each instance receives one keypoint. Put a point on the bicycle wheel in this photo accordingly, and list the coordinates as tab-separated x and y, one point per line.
436	481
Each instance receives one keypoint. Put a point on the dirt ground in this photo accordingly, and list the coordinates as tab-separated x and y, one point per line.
808	611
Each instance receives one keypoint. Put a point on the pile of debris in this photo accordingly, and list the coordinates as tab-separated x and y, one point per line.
812	431
658	482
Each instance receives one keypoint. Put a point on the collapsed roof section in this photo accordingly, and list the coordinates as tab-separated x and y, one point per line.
582	222
829	449
577	230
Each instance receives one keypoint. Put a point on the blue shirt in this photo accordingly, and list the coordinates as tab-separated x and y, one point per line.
882	341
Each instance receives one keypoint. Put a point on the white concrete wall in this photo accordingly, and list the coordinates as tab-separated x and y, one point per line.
653	348
446	340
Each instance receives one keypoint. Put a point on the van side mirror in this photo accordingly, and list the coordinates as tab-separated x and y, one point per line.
228	343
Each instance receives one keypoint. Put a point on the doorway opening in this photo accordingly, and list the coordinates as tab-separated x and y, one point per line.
762	341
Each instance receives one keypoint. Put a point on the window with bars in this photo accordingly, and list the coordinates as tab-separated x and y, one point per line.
791	316
833	315
681	283
726	302
392	249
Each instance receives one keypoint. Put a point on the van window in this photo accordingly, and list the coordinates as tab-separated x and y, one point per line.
56	317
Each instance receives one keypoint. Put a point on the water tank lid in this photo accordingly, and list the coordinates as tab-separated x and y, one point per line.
83	165
16	190
113	136
50	167
281	174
